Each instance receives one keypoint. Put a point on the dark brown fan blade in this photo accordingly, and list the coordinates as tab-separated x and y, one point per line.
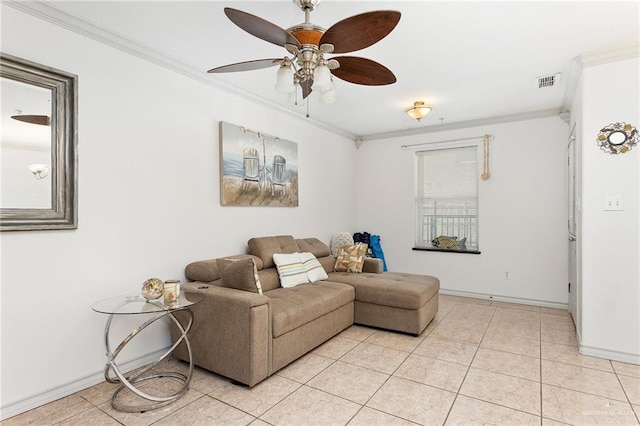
306	88
246	66
260	28
363	71
42	120
360	31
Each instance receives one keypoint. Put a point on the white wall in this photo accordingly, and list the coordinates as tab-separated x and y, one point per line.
609	239
148	205
523	212
576	118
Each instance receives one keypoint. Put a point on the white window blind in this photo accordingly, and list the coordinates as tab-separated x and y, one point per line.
447	196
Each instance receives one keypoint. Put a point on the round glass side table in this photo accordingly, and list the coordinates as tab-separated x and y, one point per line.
136	305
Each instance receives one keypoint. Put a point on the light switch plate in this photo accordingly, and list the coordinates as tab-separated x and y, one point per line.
613	203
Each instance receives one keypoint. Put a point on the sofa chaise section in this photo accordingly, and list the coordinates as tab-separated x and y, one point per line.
393	301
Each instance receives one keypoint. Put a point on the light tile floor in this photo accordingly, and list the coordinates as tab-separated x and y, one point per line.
478	363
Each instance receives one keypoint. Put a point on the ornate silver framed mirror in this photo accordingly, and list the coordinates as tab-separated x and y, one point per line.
38	170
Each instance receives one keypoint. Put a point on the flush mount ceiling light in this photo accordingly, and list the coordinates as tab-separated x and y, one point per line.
308	68
419	110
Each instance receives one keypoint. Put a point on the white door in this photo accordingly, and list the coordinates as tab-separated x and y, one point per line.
573	266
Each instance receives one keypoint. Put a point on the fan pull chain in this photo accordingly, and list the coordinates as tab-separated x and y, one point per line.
308	102
486	173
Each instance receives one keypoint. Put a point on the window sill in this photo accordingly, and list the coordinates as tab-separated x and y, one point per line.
446	250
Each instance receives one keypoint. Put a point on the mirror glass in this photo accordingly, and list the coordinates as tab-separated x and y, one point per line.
617	138
25	146
38	161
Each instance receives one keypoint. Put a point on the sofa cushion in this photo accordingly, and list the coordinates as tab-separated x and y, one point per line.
240	273
407	291
266	247
351	258
207	270
296	306
290	269
313	246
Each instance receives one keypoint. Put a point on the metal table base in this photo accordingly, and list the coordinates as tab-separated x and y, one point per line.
146	373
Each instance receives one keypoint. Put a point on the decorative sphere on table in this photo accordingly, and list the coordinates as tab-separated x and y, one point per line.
152	288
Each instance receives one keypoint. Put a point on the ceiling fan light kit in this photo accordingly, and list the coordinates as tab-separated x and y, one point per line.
307	69
328	97
322	78
419	110
40	171
307	4
284	80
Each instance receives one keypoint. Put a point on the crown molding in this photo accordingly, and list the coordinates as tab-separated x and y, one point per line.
52	14
531	115
593	59
577	65
608	56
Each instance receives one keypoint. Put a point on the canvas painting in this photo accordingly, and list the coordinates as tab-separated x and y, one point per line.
257	169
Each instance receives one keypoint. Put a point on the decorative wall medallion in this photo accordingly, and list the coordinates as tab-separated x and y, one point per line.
617	138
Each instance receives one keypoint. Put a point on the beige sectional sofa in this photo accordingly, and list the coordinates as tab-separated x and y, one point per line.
247	336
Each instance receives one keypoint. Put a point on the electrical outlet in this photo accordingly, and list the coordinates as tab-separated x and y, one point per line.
507	275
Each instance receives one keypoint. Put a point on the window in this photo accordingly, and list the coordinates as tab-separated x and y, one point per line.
447	196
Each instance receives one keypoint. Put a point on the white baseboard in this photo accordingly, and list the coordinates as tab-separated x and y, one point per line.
497	298
583	349
609	354
20	406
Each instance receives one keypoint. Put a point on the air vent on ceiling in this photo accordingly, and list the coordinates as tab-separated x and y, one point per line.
547	80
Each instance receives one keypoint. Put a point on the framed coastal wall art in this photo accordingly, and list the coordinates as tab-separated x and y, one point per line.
257	169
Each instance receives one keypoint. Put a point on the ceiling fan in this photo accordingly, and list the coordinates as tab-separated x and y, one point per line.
308	68
43	120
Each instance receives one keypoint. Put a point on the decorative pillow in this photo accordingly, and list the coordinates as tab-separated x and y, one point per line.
313	268
351	258
290	269
449	242
239	273
340	239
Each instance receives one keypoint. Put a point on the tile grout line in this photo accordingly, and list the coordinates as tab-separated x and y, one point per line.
391	375
494	403
469	367
412	352
334	362
625	393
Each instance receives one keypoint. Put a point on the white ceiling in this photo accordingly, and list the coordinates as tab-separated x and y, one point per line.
472	61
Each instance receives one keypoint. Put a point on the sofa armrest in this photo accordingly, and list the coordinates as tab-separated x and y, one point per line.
231	332
372	264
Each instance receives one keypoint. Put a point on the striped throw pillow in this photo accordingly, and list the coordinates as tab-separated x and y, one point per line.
313	268
290	269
